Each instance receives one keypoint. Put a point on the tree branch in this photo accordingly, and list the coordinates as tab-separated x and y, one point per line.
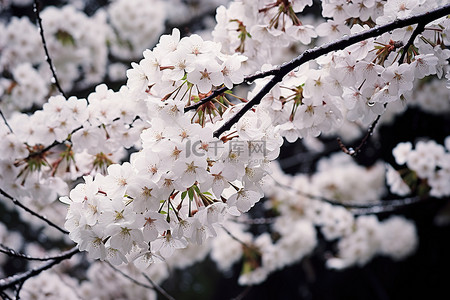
157	287
341	44
153	286
236	238
419	29
361	209
223	89
13	253
243	294
19	204
18	289
11	281
5	296
130	278
6	121
353	152
47	54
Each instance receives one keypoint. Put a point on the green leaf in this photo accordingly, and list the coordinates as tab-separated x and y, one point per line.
196	189
191	193
65	38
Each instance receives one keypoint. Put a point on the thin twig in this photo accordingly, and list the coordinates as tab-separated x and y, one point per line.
18	289
340	44
6	121
419	29
11	281
236	238
223	89
5	296
38	153
157	287
243	293
13	253
353	152
256	221
361	208
19	204
213	95
47	54
130	278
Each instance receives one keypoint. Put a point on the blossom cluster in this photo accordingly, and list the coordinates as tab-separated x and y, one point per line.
297	202
355	84
184	181
79	46
427	169
47	151
258	28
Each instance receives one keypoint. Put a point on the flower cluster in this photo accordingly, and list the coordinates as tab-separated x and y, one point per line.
427	169
137	25
299	209
184	181
181	68
356	83
79	46
257	28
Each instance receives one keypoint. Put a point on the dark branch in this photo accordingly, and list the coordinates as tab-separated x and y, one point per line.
19	204
419	29
387	206
214	94
158	288
223	89
353	152
5	296
236	238
47	55
130	278
6	121
13	280
341	44
360	208
153	286
13	253
256	221
18	289
243	294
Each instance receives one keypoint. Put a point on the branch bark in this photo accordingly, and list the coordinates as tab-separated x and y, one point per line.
11	281
47	54
13	253
19	204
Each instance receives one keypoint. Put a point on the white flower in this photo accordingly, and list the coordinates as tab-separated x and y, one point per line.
92	242
207	74
399	78
399	237
401	152
396	183
155	223
232	74
303	33
167	244
243	200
